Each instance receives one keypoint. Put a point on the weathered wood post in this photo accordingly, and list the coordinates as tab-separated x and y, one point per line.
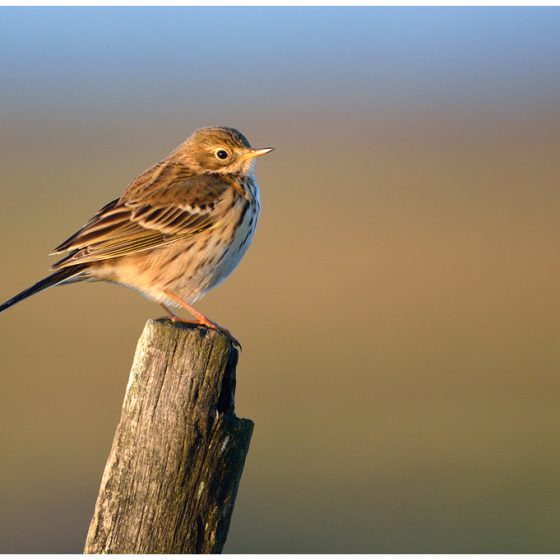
171	479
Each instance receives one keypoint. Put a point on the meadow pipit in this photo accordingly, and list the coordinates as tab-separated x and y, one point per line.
179	229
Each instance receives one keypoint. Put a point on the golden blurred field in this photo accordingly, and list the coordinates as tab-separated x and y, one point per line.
398	312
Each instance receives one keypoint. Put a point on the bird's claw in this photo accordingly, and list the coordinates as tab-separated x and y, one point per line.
210	325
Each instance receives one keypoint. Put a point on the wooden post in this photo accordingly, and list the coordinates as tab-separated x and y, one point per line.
171	479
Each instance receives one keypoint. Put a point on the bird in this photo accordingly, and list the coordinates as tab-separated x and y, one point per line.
179	229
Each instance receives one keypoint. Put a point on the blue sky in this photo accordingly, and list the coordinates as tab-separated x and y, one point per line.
53	58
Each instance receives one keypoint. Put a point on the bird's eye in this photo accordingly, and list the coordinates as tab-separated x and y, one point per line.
222	154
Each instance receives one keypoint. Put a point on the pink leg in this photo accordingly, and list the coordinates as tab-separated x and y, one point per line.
176	318
202	320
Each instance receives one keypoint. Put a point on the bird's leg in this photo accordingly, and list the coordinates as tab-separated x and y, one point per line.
175	318
202	320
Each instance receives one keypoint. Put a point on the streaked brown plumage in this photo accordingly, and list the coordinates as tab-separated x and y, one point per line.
179	229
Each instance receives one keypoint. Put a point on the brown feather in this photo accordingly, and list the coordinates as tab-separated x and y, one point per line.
177	205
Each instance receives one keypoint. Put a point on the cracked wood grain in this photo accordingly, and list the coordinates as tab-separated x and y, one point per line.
172	475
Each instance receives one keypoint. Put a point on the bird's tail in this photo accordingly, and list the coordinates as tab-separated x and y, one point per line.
64	275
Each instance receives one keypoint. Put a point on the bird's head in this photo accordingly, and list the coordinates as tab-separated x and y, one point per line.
219	150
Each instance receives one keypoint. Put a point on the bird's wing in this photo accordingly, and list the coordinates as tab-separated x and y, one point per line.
173	207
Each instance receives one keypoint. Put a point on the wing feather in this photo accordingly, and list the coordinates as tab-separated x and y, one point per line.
181	207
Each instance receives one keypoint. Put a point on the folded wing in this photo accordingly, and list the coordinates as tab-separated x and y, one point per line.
175	206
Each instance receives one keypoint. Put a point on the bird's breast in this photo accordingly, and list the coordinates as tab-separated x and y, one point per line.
191	267
216	253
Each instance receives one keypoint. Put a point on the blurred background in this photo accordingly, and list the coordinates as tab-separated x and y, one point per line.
398	309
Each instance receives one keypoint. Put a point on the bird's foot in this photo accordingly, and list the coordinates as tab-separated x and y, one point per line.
220	329
200	319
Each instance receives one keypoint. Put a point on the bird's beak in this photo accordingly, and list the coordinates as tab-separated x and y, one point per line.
253	153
